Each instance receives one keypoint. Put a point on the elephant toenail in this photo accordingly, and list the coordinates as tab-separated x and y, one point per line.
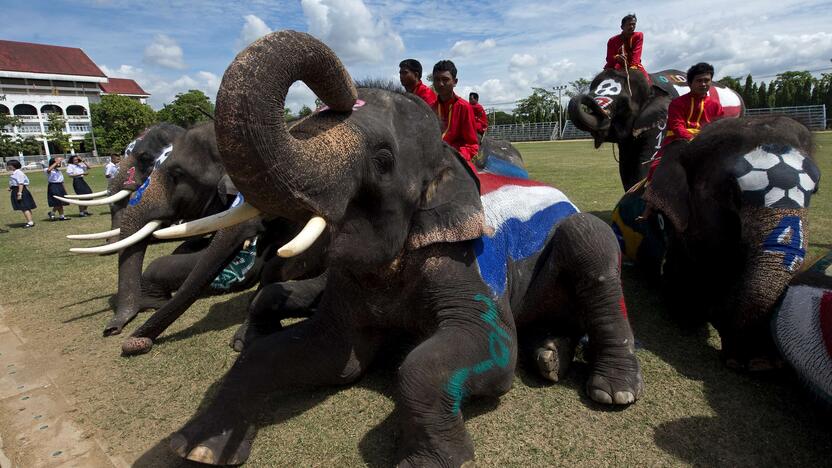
600	396
624	398
202	454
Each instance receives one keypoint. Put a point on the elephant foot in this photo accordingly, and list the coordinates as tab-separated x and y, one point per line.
554	356
252	329
228	447
615	379
135	345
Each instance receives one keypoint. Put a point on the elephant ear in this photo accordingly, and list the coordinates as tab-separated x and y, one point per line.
226	190
654	115
669	191
450	209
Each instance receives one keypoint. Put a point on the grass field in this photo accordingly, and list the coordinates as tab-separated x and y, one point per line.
694	411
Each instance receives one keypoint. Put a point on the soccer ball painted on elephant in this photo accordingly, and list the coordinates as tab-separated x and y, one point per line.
418	244
622	107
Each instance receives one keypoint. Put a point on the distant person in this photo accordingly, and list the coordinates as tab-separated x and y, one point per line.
624	50
55	188
77	168
480	117
410	76
455	114
18	186
111	169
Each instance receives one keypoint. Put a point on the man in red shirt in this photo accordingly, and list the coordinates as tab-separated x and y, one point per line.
624	50
410	75
480	117
455	114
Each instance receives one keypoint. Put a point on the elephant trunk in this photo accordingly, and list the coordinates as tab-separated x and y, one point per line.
278	172
129	287
587	115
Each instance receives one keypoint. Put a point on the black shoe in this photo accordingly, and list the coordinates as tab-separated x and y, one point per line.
83	214
63	218
27	225
51	216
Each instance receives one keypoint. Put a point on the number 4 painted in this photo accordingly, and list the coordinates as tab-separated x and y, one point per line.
787	238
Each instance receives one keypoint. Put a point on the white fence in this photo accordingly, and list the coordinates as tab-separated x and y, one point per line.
813	117
40	161
539	131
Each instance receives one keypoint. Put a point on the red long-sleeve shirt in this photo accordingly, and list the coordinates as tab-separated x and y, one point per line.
457	118
687	114
424	92
480	118
631	48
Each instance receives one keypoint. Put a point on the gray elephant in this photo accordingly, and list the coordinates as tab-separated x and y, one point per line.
734	203
623	108
500	157
418	244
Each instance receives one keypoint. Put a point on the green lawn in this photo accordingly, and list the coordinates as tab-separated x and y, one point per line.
694	412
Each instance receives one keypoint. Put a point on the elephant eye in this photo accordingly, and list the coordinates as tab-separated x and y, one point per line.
383	161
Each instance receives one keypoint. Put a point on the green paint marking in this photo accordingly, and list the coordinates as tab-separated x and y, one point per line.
499	355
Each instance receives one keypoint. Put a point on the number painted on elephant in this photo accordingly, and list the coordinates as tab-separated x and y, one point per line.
131	176
787	239
137	195
129	150
608	87
521	214
235	271
499	354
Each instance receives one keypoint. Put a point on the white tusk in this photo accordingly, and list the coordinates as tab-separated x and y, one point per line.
116	246
88	196
313	229
96	235
121	194
215	222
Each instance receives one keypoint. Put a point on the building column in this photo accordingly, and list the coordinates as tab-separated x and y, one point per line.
46	147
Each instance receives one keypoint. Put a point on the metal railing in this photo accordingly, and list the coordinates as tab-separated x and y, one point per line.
813	117
538	131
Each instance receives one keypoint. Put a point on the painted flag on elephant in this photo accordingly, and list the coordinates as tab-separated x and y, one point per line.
519	216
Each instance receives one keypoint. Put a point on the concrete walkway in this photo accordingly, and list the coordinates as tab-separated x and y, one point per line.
36	418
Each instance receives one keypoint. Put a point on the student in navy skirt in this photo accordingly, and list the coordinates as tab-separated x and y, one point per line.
21	198
55	187
77	169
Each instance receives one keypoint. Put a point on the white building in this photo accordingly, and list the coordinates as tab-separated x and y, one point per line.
38	79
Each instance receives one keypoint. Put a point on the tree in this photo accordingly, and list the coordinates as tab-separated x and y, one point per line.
187	109
541	106
7	120
496	117
116	121
762	95
29	145
578	87
731	82
749	92
304	111
55	132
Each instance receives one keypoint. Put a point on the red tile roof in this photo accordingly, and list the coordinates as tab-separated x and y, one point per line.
123	86
41	58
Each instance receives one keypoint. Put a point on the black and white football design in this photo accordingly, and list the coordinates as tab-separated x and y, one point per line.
777	176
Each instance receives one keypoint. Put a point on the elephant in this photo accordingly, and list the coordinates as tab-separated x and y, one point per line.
622	107
418	243
734	205
500	157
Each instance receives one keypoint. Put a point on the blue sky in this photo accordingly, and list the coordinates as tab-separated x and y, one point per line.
501	48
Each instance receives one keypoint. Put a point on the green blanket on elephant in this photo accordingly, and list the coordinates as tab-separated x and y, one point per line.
235	271
643	242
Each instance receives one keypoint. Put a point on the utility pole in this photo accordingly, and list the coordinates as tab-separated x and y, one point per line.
559	89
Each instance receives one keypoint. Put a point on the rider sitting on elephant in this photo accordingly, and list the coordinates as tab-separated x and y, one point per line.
455	114
410	76
624	50
690	112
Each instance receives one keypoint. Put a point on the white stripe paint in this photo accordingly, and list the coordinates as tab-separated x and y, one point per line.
513	201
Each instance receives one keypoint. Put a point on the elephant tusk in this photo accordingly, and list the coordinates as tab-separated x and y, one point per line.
122	194
88	196
313	229
116	246
215	222
95	235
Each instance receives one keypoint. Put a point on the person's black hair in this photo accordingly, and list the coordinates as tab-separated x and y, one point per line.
51	162
412	65
72	159
445	65
13	163
474	95
699	69
631	16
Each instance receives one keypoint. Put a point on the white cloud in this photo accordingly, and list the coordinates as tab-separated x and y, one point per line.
350	29
165	52
466	48
522	61
164	90
253	29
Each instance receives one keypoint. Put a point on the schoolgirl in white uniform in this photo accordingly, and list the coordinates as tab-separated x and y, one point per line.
18	186
77	169
55	187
